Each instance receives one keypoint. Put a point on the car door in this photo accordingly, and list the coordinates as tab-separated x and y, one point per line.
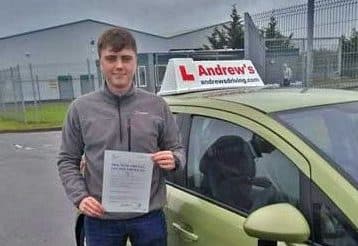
234	166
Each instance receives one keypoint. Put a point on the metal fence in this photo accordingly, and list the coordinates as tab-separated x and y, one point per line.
254	43
12	103
335	43
23	89
26	90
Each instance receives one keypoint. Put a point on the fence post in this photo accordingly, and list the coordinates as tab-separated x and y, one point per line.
99	75
254	45
33	84
310	26
12	80
340	44
34	92
2	88
19	81
88	71
38	89
38	94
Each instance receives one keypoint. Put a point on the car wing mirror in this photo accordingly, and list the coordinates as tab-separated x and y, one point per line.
278	222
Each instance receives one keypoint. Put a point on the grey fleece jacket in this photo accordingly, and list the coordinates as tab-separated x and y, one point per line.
136	121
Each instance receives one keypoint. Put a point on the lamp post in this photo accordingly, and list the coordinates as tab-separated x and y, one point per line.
90	81
28	56
35	87
97	71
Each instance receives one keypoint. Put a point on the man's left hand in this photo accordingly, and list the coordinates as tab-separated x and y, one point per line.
165	159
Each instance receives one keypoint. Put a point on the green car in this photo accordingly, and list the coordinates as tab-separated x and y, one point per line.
265	167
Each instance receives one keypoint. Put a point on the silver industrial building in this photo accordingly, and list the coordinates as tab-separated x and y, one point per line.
60	62
71	43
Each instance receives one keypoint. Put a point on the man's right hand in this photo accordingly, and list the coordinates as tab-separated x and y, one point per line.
91	207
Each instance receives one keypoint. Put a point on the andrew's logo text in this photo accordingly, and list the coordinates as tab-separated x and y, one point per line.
217	70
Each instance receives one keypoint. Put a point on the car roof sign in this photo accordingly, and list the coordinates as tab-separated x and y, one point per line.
186	75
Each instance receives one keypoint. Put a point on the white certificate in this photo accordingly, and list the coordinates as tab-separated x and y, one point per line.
127	178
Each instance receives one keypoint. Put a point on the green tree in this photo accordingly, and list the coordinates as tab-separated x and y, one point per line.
229	36
217	39
271	31
275	39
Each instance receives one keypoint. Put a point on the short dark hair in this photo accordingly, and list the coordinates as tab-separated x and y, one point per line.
118	38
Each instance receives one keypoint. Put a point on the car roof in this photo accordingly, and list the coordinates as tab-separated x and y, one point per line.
270	100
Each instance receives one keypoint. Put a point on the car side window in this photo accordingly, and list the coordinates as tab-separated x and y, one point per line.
233	166
330	226
183	121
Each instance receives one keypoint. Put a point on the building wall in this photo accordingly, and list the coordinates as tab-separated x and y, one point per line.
192	40
66	50
65	44
72	43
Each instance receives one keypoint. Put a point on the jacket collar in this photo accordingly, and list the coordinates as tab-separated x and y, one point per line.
113	98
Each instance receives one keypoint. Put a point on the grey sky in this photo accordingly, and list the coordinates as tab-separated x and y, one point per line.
161	17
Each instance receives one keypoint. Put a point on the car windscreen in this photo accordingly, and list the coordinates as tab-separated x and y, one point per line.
332	130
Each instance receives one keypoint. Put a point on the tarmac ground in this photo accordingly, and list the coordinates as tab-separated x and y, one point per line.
33	207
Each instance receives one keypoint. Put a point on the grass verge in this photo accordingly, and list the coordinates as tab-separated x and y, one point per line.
44	116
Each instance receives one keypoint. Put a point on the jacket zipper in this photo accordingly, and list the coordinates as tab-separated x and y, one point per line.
120	119
129	134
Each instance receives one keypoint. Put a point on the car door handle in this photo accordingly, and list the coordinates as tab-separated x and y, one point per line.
187	234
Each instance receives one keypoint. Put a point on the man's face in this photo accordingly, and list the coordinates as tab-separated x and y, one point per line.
118	67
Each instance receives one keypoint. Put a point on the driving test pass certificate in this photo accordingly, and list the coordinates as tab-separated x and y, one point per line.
127	178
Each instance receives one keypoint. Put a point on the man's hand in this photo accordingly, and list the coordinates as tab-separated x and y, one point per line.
91	207
165	159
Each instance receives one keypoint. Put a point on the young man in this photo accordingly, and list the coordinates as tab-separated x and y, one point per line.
287	75
120	117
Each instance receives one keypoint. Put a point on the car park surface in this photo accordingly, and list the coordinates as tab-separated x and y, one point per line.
34	208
